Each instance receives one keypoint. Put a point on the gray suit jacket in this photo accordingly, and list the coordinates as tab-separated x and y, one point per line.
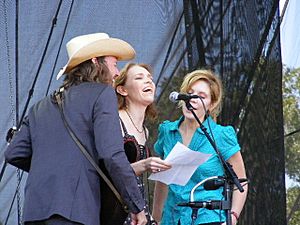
61	180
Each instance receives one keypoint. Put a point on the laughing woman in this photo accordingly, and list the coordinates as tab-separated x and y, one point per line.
135	91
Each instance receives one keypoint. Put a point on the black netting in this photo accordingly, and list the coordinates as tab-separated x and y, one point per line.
240	41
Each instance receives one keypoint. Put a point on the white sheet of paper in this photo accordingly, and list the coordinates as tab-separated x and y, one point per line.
184	162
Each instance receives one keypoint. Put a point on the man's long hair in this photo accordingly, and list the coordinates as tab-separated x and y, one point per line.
88	72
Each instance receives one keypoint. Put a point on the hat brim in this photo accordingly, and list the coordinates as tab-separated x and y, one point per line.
103	47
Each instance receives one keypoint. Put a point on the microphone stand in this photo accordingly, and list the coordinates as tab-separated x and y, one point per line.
230	175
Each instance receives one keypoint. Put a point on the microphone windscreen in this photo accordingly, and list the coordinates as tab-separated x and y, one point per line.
173	96
213	184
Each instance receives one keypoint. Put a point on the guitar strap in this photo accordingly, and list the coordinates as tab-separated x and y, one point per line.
58	95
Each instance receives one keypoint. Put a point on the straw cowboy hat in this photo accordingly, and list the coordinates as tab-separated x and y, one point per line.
88	46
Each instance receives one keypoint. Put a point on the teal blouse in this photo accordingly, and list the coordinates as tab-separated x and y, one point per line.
226	142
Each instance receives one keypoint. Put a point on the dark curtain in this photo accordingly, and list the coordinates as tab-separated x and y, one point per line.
239	40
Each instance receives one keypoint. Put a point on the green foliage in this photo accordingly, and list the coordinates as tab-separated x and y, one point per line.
291	98
291	111
293	205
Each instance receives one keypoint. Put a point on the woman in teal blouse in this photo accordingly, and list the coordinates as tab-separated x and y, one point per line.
186	130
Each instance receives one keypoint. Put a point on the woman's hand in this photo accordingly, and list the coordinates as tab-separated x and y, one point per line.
156	164
151	164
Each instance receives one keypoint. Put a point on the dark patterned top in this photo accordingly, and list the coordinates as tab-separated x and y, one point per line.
135	152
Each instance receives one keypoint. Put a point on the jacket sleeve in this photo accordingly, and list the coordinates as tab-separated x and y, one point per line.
19	151
110	148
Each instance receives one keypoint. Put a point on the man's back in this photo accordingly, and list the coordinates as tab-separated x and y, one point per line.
61	180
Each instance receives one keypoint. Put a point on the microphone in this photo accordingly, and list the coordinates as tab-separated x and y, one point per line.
205	204
175	96
214	184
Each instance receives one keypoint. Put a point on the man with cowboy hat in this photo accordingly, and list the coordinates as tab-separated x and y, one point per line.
62	186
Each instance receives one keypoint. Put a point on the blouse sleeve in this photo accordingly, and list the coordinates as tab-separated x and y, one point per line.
158	146
229	144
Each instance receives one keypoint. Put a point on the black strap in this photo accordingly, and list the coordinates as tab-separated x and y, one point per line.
123	127
59	97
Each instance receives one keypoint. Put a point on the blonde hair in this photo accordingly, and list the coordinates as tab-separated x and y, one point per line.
121	81
215	84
